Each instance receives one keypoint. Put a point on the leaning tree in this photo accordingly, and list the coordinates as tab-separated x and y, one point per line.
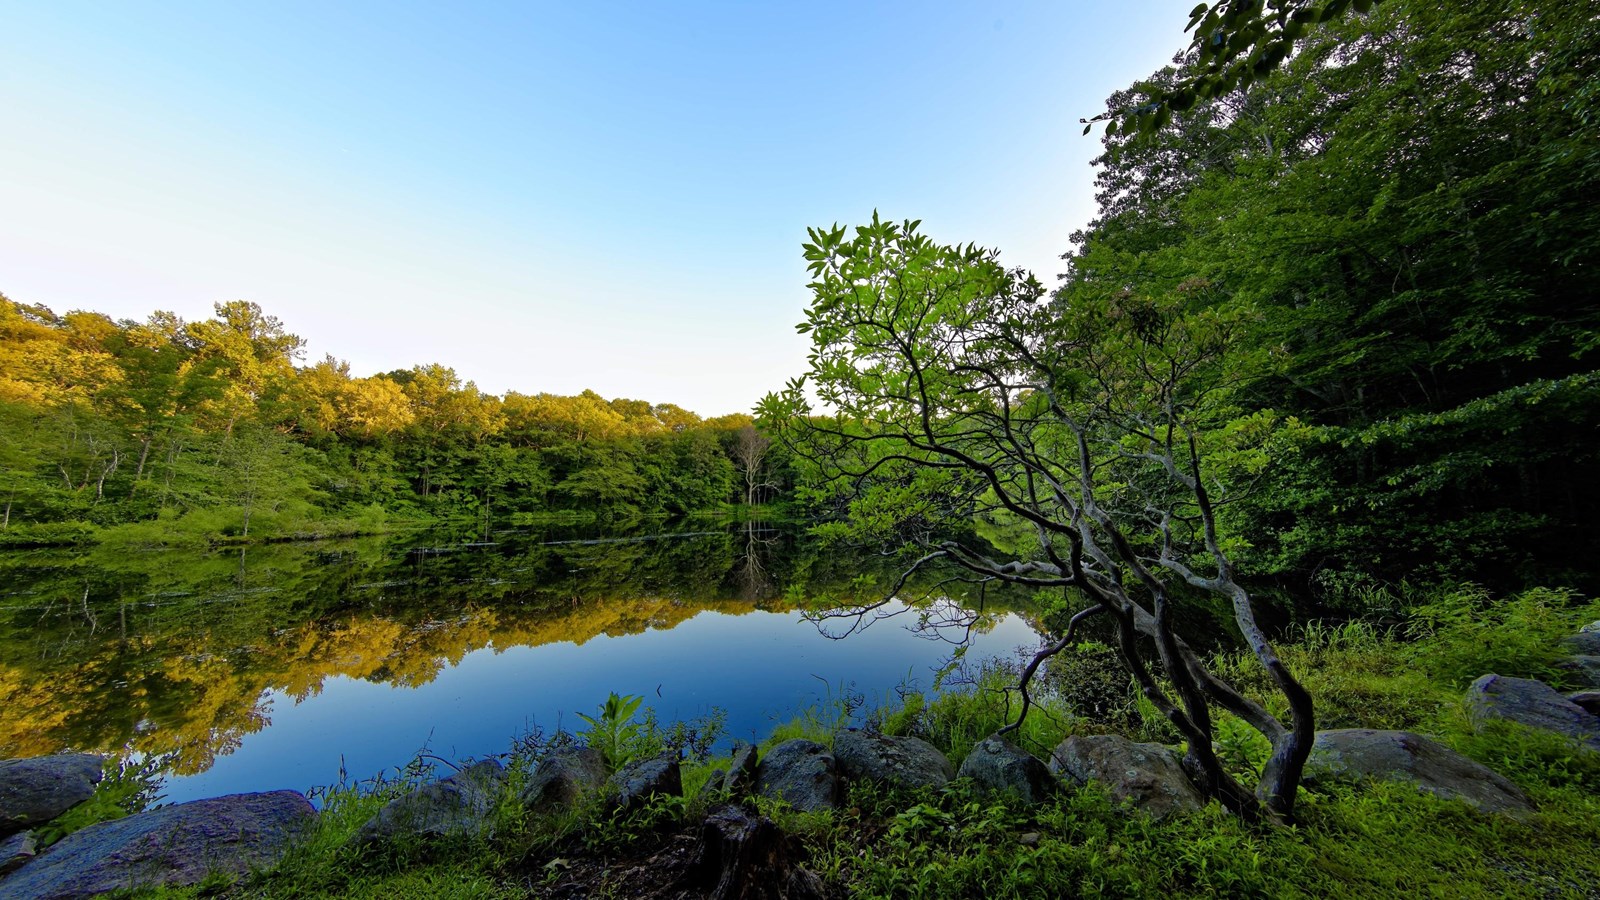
1107	436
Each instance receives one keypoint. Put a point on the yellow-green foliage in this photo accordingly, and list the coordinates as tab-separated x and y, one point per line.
1466	632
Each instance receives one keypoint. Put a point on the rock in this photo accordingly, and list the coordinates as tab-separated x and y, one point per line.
1535	704
172	846
904	761
1358	754
1583	671
998	766
459	805
562	777
34	791
635	782
741	778
801	772
1586	643
1147	775
1589	700
16	850
1590	628
714	783
1030	838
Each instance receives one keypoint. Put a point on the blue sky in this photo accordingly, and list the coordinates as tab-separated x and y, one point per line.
544	197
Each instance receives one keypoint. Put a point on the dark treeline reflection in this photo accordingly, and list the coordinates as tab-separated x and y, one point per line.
170	653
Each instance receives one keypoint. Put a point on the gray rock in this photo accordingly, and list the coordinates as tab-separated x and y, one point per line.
741	778
562	777
1149	776
800	772
635	782
714	783
1584	642
1535	704
904	761
34	791
1360	754
1589	700
998	766
16	850
170	846
1590	628
1582	671
457	806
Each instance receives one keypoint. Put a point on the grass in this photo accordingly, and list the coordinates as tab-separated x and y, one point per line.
1373	840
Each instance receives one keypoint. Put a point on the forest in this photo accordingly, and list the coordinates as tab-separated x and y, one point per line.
1394	233
168	432
1299	444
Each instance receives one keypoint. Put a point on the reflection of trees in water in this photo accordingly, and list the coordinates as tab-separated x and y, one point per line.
751	576
173	653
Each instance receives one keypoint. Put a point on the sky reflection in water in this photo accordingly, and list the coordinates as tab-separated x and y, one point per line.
759	667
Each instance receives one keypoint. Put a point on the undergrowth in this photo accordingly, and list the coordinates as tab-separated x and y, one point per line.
1373	840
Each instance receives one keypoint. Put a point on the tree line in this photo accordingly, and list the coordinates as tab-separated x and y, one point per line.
214	429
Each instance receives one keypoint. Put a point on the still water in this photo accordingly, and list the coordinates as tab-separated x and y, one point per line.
275	667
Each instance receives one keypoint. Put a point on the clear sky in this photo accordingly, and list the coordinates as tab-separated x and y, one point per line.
546	197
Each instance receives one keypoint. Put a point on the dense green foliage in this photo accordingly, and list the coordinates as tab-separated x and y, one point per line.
1407	208
1400	220
209	429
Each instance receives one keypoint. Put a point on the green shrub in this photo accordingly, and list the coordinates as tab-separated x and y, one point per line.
1464	633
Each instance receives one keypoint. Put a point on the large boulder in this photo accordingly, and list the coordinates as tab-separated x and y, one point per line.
34	791
998	766
637	781
171	846
1582	670
903	761
460	805
562	777
1586	643
1534	704
1362	754
1149	776
800	772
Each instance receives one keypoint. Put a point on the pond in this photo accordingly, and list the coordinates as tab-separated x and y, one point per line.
280	666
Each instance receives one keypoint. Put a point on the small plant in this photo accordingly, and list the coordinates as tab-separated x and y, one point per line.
126	788
614	733
622	735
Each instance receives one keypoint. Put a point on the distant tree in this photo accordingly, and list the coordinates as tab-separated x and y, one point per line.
749	451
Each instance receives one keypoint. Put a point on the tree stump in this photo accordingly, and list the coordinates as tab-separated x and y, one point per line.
745	856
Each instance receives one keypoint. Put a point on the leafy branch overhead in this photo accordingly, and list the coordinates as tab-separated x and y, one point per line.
1236	42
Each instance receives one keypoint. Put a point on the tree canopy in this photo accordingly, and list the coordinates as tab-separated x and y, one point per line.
1102	443
214	429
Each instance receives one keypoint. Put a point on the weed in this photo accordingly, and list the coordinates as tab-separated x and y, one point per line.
127	786
614	733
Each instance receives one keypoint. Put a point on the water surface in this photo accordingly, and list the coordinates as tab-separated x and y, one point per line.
273	667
